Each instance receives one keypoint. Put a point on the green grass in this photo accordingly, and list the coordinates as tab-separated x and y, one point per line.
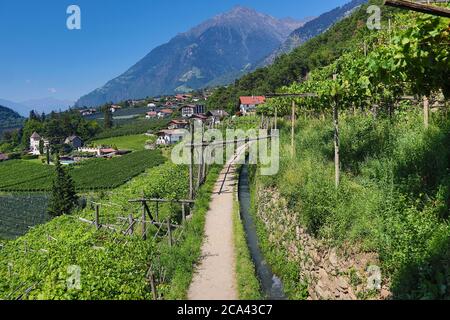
248	284
131	142
394	196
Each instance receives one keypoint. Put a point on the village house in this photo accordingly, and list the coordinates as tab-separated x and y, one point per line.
248	105
74	141
135	103
151	105
183	97
151	115
178	124
168	137
216	116
165	113
88	112
35	141
114	108
188	111
169	104
199	118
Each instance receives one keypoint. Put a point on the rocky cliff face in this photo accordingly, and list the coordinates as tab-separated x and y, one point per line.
215	52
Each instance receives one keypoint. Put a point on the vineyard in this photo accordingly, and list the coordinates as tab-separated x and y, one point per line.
365	157
113	264
364	168
96	174
19	212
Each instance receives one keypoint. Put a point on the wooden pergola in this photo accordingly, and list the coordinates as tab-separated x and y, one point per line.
420	6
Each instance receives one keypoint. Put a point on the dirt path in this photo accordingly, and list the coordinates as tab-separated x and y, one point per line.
215	277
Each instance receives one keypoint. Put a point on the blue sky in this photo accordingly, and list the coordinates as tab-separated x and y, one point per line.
40	57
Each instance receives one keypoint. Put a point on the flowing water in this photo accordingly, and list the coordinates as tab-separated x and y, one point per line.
270	283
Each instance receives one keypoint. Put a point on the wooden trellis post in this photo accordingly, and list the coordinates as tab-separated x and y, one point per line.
204	169
276	118
169	232
200	164
144	226
151	280
426	112
191	164
131	222
183	212
293	129
293	95
97	216
337	166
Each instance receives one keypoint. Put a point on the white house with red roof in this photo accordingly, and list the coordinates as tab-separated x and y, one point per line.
249	104
151	114
165	113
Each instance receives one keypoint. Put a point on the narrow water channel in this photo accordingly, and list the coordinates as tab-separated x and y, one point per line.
271	285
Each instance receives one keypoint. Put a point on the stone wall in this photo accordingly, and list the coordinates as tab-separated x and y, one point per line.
331	273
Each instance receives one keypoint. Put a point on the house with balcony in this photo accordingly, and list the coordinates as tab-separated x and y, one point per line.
188	111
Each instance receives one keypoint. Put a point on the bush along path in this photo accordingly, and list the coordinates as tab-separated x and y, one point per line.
215	277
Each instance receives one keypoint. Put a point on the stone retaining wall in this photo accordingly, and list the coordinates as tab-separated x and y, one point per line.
329	272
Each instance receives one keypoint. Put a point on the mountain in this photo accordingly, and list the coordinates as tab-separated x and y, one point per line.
45	105
216	51
313	28
17	107
48	104
9	118
317	52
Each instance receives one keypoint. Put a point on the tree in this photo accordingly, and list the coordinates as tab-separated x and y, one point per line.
64	197
108	118
47	153
33	115
41	147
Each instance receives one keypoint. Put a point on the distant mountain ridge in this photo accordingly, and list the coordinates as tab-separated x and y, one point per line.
313	28
48	104
216	51
9	118
45	105
17	107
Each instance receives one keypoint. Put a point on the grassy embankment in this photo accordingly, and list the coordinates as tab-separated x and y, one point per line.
393	199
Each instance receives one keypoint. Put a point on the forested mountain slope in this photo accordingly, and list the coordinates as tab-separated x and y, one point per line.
317	52
9	118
